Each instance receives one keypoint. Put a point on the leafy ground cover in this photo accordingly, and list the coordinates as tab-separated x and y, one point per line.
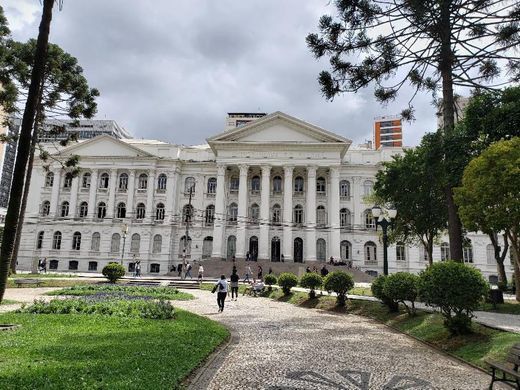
131	291
51	282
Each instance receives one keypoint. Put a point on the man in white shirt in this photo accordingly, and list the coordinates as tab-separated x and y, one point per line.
222	287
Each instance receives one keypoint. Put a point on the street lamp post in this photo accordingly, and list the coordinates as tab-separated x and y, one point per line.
382	221
124	230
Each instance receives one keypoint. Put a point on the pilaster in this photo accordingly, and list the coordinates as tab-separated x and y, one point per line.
263	244
287	250
220	217
242	213
310	219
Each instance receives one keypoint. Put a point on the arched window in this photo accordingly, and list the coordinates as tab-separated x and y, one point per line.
83	209
161	182
46	208
207	247
189	185
321	249
185	246
277	211
345	250
277	184
115	242
490	254
370	222
299	184
123	182
103	180
234	183
64	209
140	211
255	184
209	215
142	184
370	252
135	243
345	218
344	189
254	213
49	179
157	243
298	214
121	210
467	252
445	251
76	241
232	212
187	213
67	181
39	240
231	247
159	212
368	187
321	185
321	216
85	180
101	210
400	252
96	240
212	185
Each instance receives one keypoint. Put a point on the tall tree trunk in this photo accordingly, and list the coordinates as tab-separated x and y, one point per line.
515	258
499	257
24	145
429	249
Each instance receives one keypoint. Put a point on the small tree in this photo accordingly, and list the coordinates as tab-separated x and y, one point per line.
312	281
270	280
340	282
287	281
402	287
456	289
378	285
113	272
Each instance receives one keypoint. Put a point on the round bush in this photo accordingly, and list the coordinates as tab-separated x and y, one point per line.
402	287
340	282
287	281
456	289
377	288
270	279
113	272
312	281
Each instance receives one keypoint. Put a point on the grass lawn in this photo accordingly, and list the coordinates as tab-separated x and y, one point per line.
508	307
59	351
41	276
8	302
136	291
51	282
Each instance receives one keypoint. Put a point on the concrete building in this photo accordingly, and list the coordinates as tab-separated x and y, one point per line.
388	131
274	187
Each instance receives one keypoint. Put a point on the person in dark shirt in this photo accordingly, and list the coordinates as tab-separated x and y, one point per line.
234	284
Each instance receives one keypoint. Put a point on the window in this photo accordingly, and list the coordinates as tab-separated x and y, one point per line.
49	179
400	252
370	222
233	212
157	243
142	184
189	185
254	213
123	182
298	214
209	216
103	180
56	240
101	210
234	183
445	251
467	253
121	210
159	212
344	218
212	185
115	242
370	252
73	265
53	264
155	268
368	187
320	185
140	211
64	212
76	241
276	214
490	254
85	180
135	243
344	189
187	213
83	209
231	247
96	239
67	181
92	265
46	208
345	250
39	240
298	184
185	246
207	247
321	216
277	184
255	184
321	250
423	253
161	182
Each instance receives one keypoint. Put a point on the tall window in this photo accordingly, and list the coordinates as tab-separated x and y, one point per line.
345	218
155	268
370	252
368	187
101	210
207	247
185	246
83	210
115	242
345	250
400	252
123	182
67	181
187	213
212	185
320	185
135	243
321	249
233	212
189	185
56	240
254	213
209	216
161	182
96	240
231	247
370	222
445	251
143	181
298	214
121	210
103	180
85	180
490	254
276	214
76	241
321	216
423	253
39	240
46	208
255	184
157	243
92	265
467	253
64	209
49	179
299	184
159	212
277	184
344	189
140	211
234	183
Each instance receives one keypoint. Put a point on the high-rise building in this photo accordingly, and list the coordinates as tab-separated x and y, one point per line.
237	119
388	131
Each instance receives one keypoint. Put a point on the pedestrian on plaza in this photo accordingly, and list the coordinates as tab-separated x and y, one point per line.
308	270
44	265
331	260
315	269
138	269
201	273
260	272
188	271
282	257
324	271
179	269
270	270
248	256
234	284
248	274
221	288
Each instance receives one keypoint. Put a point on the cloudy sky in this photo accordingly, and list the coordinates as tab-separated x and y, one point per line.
171	70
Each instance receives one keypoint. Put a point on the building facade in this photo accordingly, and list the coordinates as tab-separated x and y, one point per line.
388	131
276	188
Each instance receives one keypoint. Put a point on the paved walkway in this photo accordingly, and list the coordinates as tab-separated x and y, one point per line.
277	345
27	295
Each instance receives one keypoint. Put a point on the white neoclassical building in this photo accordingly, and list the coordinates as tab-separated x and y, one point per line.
275	188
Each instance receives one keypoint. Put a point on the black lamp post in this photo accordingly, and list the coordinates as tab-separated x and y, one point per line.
124	230
382	221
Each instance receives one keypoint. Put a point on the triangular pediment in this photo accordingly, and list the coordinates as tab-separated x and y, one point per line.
104	146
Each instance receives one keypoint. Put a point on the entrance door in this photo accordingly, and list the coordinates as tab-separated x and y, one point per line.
253	248
298	250
275	249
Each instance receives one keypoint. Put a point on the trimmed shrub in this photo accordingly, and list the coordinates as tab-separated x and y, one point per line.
456	289
312	281
377	288
113	272
270	279
340	282
287	281
402	287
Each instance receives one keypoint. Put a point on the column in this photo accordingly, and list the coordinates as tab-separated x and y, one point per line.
112	193
263	242
310	217
74	197
92	209
356	202
287	250
335	236
220	217
171	191
55	195
242	213
150	189
130	198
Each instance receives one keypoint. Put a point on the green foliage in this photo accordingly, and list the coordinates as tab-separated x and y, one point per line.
377	288
402	287
456	289
270	279
340	282
287	281
133	291
312	281
113	272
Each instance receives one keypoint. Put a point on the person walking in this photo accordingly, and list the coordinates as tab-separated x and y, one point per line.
248	274
248	256
188	271
138	269
201	273
221	287
308	270
234	284
179	270
260	273
44	265
324	271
